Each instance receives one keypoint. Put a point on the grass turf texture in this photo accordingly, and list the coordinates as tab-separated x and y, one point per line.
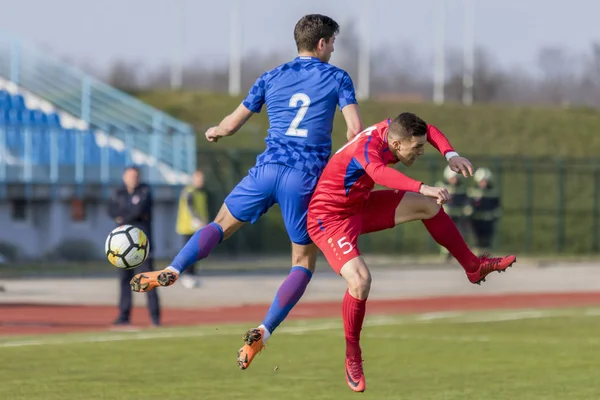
527	355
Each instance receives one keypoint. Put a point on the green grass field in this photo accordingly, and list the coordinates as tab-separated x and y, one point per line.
525	355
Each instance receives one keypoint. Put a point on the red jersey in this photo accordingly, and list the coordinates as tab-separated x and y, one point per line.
353	171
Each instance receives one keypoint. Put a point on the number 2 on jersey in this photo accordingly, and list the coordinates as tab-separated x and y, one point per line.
304	101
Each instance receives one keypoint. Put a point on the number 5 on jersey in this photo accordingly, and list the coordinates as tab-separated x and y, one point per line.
344	245
302	100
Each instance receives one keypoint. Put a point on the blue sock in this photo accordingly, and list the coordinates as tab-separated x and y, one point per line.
290	291
198	247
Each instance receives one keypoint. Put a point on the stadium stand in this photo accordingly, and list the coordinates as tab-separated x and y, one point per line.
59	125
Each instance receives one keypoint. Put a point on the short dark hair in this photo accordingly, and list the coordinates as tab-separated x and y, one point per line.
313	27
132	167
407	125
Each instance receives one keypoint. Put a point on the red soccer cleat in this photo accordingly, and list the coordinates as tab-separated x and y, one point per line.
354	374
488	265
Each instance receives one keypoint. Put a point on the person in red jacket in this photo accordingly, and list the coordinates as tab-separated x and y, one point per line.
345	206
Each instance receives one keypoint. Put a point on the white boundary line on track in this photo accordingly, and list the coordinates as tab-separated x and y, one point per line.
307	326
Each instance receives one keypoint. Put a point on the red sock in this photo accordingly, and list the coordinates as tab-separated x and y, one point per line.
353	314
443	230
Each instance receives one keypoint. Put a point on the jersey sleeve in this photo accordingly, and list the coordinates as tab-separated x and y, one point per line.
256	95
346	94
438	140
371	159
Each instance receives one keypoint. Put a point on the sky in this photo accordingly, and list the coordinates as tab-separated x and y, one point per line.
148	31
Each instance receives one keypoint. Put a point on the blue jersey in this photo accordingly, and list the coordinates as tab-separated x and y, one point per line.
301	98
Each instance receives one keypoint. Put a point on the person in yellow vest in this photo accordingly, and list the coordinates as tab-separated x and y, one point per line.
192	215
484	209
455	207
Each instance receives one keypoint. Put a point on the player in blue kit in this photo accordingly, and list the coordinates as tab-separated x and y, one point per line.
301	98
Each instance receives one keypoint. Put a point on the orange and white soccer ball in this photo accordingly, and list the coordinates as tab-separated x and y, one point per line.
127	247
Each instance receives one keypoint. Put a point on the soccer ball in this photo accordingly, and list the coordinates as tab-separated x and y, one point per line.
127	247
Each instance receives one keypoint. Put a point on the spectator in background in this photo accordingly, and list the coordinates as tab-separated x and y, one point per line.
131	204
484	209
192	215
456	206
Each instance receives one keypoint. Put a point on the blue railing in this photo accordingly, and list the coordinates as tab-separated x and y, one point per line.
101	106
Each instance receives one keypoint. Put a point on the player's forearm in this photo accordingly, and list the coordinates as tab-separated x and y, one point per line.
234	121
438	140
353	120
353	131
390	178
228	126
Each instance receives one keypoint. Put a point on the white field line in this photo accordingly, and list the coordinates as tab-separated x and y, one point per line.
479	339
308	326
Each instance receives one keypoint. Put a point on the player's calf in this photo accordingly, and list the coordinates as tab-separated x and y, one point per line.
287	296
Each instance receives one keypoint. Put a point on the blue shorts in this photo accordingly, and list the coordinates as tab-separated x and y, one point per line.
268	184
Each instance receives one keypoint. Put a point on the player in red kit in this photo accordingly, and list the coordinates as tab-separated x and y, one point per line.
344	206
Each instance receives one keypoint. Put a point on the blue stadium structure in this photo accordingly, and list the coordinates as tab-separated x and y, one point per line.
58	124
65	138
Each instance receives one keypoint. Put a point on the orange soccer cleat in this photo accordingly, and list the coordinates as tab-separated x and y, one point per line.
355	376
253	344
146	281
488	265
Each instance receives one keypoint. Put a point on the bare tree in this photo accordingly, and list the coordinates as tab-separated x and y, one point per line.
399	70
590	79
557	74
346	48
488	78
124	76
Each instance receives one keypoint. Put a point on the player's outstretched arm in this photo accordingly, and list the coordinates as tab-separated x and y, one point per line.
353	120
393	179
457	163
230	124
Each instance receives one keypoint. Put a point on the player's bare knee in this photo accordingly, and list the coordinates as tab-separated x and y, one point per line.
228	223
430	208
360	286
304	256
358	278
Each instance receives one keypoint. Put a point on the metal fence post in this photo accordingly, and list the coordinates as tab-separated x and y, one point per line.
86	98
79	157
529	182
105	167
191	153
28	155
560	211
54	149
3	161
128	147
595	209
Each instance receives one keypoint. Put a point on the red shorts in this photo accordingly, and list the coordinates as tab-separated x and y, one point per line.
338	237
